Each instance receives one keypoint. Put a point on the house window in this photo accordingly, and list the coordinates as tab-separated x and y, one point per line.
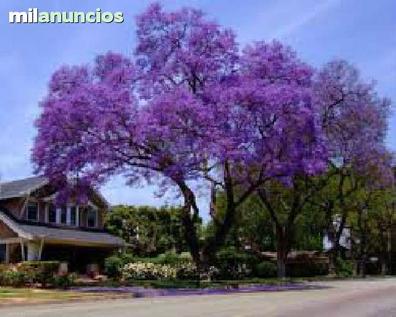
32	212
91	218
63	215
73	215
51	213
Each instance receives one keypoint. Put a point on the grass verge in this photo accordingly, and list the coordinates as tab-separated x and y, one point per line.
37	296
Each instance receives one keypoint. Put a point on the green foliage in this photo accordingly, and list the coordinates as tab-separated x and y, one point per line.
168	258
265	269
344	268
187	271
14	278
173	258
41	272
149	230
29	273
113	266
234	264
64	281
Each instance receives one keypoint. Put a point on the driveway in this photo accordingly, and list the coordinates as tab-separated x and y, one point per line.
339	298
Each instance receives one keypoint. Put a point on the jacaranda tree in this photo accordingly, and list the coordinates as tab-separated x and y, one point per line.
189	107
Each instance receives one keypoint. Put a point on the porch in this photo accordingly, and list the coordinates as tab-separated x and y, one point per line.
28	242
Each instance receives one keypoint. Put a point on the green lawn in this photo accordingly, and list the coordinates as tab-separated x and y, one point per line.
31	295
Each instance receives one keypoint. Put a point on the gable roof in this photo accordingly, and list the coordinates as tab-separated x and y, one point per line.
22	187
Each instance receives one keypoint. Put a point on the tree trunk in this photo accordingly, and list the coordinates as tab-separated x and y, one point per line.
384	268
282	250
363	248
362	266
188	218
281	266
333	254
203	255
389	250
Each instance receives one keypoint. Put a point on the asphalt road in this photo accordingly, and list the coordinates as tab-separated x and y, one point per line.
341	298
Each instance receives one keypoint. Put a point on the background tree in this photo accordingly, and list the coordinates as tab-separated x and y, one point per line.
354	118
369	208
354	121
149	230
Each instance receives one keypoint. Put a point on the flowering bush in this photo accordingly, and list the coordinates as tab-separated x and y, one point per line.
187	271
156	271
148	271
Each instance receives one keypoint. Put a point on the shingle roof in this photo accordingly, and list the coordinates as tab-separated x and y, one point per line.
22	187
60	235
72	235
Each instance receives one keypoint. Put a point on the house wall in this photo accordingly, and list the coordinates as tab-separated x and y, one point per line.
101	214
42	207
14	206
83	218
6	232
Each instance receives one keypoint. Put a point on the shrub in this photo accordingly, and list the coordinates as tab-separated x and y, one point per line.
28	273
113	266
64	281
265	269
127	258
173	258
343	268
233	264
187	271
179	263
13	278
41	272
148	271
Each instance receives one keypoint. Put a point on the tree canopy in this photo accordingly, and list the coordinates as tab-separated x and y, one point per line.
190	105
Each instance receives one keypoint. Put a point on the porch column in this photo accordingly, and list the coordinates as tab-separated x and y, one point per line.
77	216
68	215
58	215
7	254
33	251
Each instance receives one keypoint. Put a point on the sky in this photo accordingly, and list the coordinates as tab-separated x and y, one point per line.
360	31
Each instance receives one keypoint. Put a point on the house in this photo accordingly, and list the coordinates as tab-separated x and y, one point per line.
33	227
345	238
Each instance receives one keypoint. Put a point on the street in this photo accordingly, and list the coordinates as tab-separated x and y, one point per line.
360	298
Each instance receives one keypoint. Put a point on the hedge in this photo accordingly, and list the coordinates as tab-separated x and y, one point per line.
29	273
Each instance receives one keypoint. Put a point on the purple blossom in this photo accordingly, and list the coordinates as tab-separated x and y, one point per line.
190	106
